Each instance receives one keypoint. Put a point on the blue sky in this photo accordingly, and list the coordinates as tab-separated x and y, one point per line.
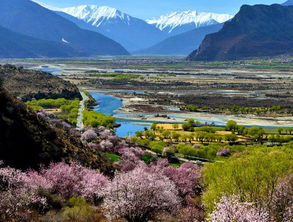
153	8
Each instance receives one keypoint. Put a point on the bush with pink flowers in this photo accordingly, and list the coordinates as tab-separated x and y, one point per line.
232	209
89	135
106	146
187	177
18	197
282	204
138	194
75	180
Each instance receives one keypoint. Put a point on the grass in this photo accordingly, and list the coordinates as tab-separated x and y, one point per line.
113	157
175	164
125	77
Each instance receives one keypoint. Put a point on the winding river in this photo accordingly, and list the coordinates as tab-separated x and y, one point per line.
108	105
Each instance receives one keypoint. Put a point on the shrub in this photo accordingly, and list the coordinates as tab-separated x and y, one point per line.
138	194
186	178
78	210
256	133
231	137
130	159
157	146
17	196
207	129
231	209
190	214
186	149
224	152
106	146
94	119
232	126
89	135
282	204
75	180
188	125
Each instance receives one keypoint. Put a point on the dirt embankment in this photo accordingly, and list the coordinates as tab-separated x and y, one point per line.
29	84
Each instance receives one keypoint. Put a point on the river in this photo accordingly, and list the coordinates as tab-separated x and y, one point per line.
108	105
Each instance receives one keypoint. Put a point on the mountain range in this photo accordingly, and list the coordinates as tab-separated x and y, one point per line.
180	22
91	30
40	23
16	45
127	30
131	32
255	31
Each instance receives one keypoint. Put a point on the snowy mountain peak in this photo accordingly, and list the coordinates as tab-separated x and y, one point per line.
198	19
96	15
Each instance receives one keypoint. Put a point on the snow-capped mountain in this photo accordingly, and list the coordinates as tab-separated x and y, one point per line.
96	15
179	22
131	32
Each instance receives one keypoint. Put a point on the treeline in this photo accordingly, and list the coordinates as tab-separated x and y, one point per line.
117	76
241	109
95	119
67	109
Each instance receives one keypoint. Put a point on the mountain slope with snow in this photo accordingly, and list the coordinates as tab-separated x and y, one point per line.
179	22
131	32
31	19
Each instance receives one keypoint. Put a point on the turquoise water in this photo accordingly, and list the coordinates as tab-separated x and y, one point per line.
108	105
54	72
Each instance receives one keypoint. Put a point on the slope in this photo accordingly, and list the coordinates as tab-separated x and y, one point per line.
255	31
131	32
29	84
31	19
15	45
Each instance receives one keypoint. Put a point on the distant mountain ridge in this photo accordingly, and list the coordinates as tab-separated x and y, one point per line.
31	19
181	44
255	31
16	45
179	22
131	32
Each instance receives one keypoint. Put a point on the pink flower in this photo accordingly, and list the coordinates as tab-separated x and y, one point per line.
231	209
89	135
138	194
75	180
106	146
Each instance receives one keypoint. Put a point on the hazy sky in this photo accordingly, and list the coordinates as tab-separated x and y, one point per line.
153	8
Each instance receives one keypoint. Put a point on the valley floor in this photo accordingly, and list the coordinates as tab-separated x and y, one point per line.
160	89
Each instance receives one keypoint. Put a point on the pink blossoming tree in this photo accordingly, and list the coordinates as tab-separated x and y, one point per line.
138	194
230	209
75	180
